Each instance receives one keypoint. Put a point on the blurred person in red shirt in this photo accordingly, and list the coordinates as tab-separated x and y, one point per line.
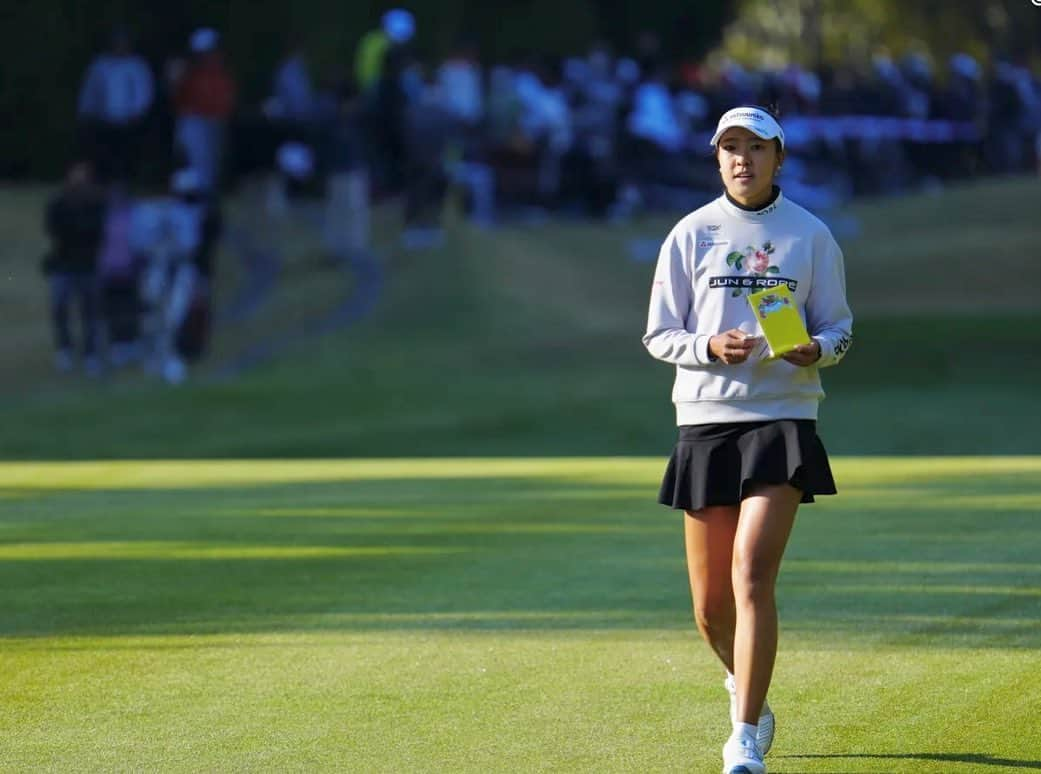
204	97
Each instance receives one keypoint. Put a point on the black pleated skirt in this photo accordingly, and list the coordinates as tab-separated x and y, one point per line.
718	464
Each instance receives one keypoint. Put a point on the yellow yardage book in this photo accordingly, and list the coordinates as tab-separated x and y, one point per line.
777	315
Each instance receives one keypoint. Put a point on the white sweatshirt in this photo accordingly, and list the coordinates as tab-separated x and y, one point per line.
700	289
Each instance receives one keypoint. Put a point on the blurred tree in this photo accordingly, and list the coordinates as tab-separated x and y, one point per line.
685	31
812	32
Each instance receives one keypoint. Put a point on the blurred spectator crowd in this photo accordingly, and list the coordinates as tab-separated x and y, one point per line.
136	271
597	135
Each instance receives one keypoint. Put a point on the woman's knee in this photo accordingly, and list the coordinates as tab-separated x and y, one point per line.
715	613
754	577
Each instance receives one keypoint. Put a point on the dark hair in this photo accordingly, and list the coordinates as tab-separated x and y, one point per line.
773	110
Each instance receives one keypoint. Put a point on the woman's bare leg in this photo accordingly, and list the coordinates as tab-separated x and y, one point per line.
709	535
765	522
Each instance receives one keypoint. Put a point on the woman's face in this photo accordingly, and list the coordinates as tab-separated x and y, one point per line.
747	164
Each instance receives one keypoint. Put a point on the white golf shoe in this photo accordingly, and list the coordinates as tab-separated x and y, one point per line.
741	755
765	737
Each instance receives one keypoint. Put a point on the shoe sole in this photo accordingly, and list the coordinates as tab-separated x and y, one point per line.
742	768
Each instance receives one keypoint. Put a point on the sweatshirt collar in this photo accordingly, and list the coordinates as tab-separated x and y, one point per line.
740	211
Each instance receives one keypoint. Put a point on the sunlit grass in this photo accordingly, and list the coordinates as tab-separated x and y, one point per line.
168	551
860	475
498	615
928	587
181	474
884	568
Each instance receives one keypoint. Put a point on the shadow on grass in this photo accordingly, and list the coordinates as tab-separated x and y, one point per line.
978	759
519	553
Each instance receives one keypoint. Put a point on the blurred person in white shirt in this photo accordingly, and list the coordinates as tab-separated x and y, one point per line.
460	84
654	118
546	120
459	87
177	236
293	95
114	101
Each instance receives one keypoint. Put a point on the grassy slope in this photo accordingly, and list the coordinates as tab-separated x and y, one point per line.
498	615
526	341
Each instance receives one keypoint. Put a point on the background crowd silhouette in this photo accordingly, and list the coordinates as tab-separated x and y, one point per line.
601	133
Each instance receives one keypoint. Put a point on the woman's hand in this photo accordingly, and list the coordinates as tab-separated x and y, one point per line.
733	346
804	354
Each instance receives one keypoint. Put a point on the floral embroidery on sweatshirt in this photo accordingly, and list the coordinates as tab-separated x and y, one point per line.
756	261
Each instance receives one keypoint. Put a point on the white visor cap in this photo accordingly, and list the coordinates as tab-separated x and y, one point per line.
758	122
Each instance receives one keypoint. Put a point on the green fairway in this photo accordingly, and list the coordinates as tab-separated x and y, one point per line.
499	615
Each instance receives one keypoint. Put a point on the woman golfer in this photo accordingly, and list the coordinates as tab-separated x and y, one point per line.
748	452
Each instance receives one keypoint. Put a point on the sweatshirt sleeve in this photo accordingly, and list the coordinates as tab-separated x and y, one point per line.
828	315
668	336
